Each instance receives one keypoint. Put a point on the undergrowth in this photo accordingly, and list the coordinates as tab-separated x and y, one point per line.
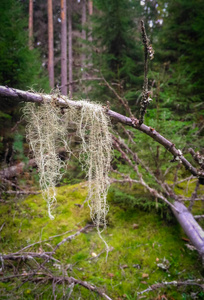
140	241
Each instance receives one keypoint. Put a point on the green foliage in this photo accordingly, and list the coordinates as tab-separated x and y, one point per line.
179	48
115	36
19	66
18	147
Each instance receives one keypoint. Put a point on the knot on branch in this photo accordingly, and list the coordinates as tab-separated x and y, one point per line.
144	103
197	157
177	158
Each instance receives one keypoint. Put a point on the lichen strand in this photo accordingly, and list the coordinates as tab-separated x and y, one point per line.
47	129
93	129
45	133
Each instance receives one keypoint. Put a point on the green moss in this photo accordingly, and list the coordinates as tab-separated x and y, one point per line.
135	251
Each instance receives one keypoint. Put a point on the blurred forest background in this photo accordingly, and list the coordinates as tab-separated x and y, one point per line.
100	57
104	38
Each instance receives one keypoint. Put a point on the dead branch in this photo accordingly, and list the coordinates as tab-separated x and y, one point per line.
197	157
194	195
145	94
37	276
44	277
199	216
18	95
44	241
28	256
122	101
152	191
21	192
184	217
173	283
13	171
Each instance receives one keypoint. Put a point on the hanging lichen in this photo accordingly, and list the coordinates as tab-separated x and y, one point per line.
93	129
46	131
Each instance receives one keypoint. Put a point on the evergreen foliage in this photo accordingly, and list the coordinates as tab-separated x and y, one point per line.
180	49
19	67
118	50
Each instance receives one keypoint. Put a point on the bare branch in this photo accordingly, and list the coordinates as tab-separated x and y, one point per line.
199	216
146	94
43	277
174	283
18	95
194	195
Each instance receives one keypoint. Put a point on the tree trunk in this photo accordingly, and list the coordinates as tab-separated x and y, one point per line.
50	44
90	39
30	25
90	5
184	217
70	46
18	169
83	35
64	47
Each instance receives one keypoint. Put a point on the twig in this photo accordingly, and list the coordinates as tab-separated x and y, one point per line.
28	256
199	216
2	226
82	79
152	191
197	157
174	283
146	94
69	238
58	280
194	195
22	192
122	101
183	180
47	240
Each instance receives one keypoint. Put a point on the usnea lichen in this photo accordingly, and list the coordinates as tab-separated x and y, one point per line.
47	130
93	129
45	133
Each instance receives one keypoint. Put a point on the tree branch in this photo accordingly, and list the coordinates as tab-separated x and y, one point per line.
18	95
174	283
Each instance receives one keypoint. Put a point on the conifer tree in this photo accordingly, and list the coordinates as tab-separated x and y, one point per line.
117	45
180	46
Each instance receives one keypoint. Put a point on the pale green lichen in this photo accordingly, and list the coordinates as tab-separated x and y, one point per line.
47	129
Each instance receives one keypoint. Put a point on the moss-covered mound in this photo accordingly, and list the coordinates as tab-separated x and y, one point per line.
146	250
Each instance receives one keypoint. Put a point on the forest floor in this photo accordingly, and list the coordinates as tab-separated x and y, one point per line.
146	250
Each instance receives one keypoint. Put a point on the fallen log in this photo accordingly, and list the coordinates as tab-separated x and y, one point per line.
184	217
17	169
20	168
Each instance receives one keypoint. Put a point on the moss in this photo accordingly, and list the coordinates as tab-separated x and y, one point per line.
136	252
